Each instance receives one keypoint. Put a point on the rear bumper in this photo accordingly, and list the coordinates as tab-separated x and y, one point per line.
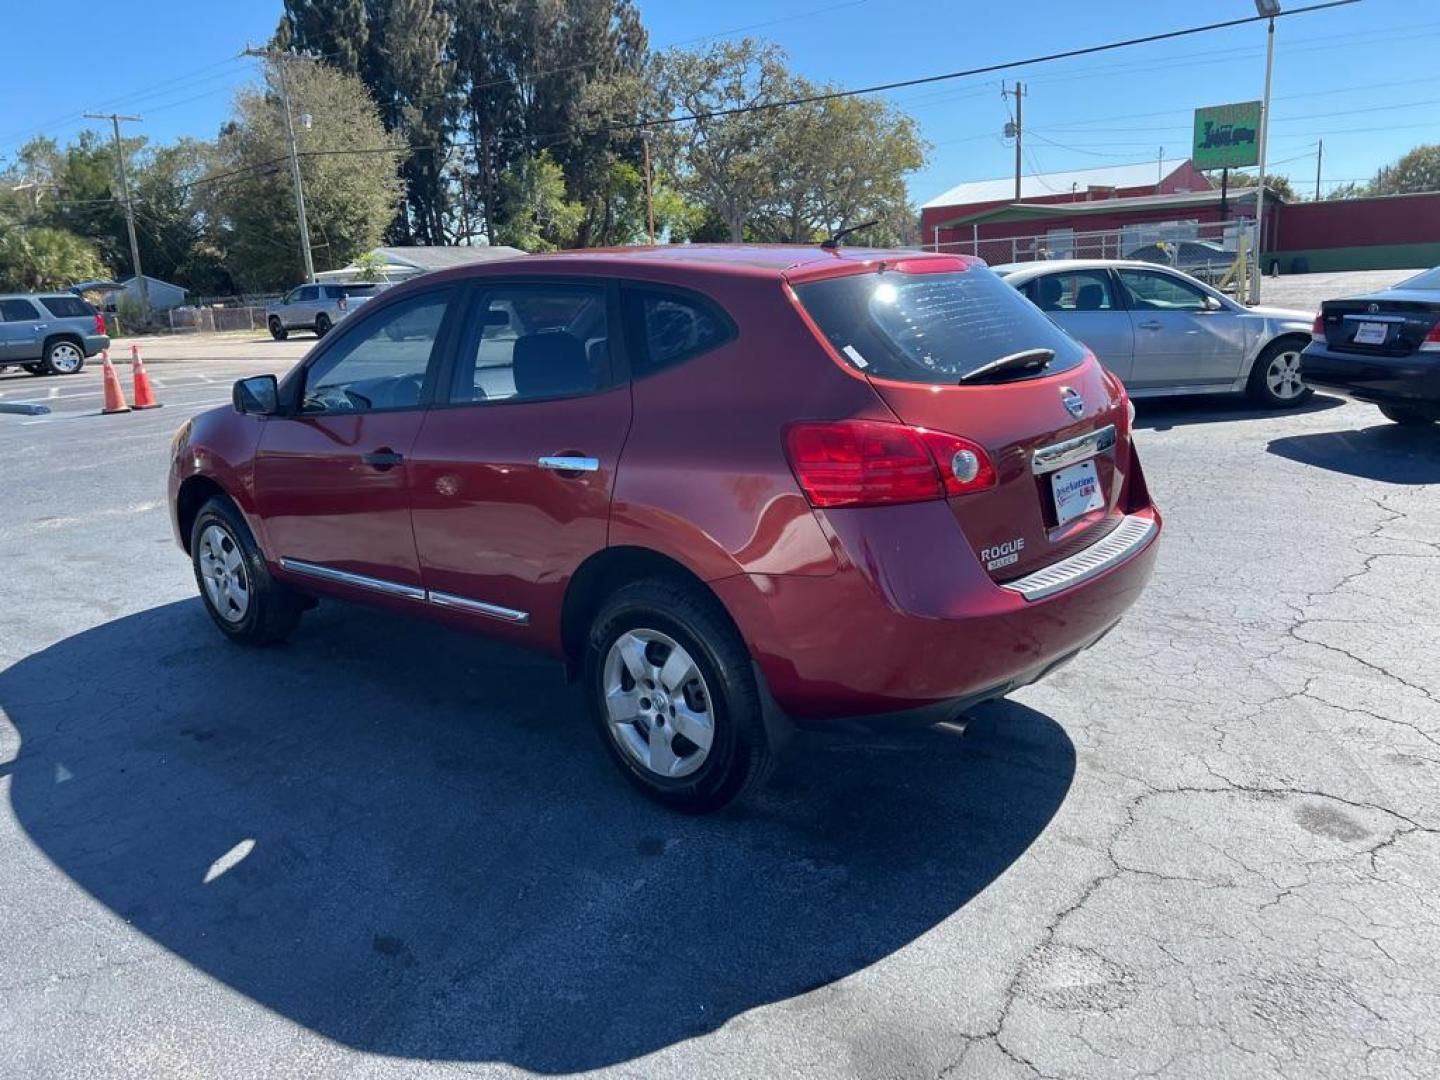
94	343
1382	380
921	633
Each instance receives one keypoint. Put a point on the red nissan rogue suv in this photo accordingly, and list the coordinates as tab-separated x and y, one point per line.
731	487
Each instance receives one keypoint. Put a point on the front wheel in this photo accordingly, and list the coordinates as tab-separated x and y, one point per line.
63	358
277	329
1276	381
1410	415
671	689
243	600
322	325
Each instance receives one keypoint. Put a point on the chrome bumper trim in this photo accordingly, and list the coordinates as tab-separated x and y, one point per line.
345	577
1057	455
1125	540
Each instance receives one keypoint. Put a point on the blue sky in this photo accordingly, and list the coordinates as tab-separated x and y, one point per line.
1361	77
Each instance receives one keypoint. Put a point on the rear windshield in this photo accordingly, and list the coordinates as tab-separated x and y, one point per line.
67	307
1428	280
931	328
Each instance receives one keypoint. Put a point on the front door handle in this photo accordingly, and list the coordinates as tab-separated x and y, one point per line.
566	463
1152	325
383	459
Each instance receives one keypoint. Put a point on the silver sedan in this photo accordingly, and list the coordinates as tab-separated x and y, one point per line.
1165	333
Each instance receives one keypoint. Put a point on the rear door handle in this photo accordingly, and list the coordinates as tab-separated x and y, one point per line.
382	459
563	463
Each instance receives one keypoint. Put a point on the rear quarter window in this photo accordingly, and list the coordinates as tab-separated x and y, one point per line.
67	307
931	328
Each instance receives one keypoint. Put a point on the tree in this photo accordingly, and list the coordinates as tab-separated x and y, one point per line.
728	161
1419	170
840	162
1280	185
534	212
350	198
32	259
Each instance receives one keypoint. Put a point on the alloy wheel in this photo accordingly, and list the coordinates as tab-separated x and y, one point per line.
222	569
658	709
1283	375
66	359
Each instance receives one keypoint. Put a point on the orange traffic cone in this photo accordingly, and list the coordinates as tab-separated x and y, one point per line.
114	395
144	396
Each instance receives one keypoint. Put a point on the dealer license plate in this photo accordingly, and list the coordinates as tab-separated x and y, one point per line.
1371	333
1077	491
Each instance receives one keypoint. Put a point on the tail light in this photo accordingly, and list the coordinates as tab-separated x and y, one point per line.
1432	339
875	463
99	323
1317	328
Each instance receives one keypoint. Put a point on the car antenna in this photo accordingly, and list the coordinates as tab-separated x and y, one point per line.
832	242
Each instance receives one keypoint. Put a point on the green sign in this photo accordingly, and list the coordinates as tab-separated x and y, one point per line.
1227	136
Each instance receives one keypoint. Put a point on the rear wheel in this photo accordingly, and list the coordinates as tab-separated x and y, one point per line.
244	601
671	690
277	329
1411	415
1275	380
322	324
62	358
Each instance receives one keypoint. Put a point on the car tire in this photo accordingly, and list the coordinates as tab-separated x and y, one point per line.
277	328
322	325
247	604
63	357
655	728
1275	380
1410	415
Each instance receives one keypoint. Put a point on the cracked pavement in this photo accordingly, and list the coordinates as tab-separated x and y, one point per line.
1207	848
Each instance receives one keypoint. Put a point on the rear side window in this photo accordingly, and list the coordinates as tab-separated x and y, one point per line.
535	341
17	310
1081	290
673	327
931	328
67	307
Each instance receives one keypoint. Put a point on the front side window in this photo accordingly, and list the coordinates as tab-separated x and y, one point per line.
18	310
381	362
309	293
674	327
1080	290
534	341
1149	291
932	328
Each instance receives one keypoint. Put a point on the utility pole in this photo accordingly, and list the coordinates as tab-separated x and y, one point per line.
1017	129
280	59
1319	157
649	199
1269	8
115	119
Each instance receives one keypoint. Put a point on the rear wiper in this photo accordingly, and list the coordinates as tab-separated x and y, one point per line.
1019	361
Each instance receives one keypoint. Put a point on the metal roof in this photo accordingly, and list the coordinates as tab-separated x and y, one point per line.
1180	201
1040	185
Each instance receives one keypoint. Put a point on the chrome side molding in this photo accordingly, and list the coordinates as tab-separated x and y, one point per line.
410	592
1126	539
570	464
1058	455
345	577
478	607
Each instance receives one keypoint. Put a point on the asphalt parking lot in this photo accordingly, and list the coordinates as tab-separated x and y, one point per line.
1207	848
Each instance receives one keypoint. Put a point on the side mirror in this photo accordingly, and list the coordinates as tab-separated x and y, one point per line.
258	395
1211	304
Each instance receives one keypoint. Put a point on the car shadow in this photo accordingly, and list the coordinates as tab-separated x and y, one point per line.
411	842
1386	452
1163	414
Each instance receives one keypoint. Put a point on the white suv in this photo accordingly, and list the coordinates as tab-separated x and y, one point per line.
315	307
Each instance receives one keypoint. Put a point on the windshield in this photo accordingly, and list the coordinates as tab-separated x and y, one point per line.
1430	279
932	328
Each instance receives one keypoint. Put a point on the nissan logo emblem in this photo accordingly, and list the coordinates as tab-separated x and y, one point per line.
1074	403
1373	308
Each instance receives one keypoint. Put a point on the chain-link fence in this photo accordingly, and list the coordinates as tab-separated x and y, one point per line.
1204	249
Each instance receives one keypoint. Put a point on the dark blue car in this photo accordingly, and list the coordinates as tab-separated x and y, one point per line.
1384	348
